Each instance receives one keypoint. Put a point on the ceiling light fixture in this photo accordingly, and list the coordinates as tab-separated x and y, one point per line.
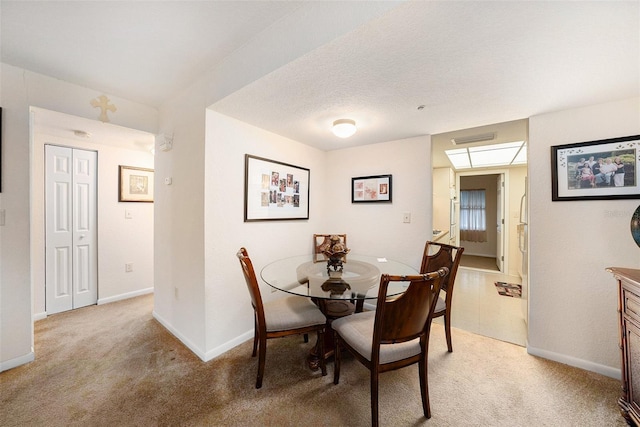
344	128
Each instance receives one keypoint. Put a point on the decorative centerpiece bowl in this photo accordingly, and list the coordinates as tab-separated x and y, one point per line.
335	254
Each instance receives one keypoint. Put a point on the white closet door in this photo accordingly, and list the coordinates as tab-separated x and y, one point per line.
85	255
71	235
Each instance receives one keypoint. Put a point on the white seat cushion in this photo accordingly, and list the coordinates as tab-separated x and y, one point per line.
440	305
357	331
292	313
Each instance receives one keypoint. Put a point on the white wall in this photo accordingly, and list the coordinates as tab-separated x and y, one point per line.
573	301
229	317
21	89
179	217
179	208
120	240
377	228
371	227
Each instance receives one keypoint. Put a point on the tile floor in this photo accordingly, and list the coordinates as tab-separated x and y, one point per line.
479	308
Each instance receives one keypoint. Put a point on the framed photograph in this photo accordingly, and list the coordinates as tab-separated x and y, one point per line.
274	190
367	189
596	170
135	184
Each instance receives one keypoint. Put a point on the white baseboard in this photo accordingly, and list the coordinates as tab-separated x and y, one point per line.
125	296
191	346
40	316
480	255
211	354
18	361
575	362
221	349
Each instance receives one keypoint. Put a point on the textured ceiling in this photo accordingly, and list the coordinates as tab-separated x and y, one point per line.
144	51
470	64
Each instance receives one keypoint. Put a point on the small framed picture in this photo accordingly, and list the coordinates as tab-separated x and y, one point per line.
135	184
369	189
596	170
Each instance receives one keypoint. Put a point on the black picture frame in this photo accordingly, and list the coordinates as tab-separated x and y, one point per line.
372	189
570	179
274	190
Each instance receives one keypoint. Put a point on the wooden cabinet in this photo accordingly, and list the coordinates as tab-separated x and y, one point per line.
629	315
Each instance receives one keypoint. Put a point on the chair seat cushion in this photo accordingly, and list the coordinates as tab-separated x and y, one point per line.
292	313
441	305
357	331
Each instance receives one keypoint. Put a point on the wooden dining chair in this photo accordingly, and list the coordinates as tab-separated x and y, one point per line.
321	242
280	318
435	256
393	336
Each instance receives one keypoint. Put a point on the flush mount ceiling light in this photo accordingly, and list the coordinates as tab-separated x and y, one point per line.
344	128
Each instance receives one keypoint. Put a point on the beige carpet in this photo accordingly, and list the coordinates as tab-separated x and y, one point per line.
114	365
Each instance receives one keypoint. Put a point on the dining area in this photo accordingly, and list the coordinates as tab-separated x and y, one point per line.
376	309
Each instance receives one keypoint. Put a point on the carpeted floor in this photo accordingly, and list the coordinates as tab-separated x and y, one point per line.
114	365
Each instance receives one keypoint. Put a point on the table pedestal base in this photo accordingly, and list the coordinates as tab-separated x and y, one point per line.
332	309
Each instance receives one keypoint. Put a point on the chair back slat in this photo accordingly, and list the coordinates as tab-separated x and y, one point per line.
438	255
407	316
252	283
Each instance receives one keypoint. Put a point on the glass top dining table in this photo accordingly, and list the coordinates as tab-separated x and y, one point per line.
360	279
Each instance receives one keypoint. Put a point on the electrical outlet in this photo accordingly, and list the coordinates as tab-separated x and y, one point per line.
128	267
406	217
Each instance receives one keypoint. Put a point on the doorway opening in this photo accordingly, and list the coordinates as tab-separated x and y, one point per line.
482	222
478	307
124	266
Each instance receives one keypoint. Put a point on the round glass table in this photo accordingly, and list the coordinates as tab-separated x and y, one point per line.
335	295
360	278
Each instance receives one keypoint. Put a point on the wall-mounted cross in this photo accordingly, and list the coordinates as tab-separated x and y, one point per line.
102	102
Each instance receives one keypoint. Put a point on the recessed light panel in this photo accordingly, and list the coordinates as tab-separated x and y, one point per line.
485	156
